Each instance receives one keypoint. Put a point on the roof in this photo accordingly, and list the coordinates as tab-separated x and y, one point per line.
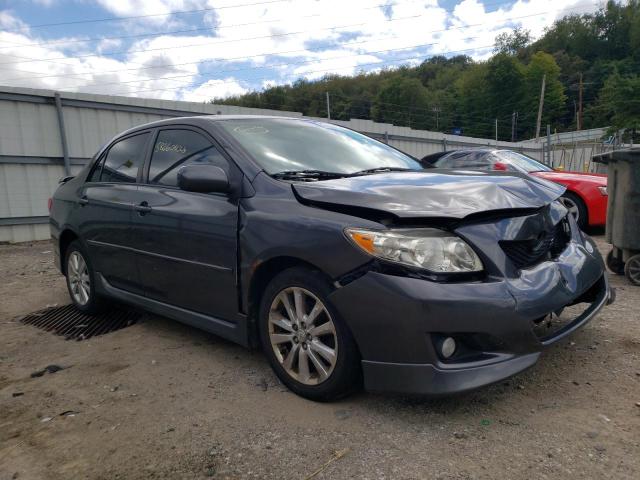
202	120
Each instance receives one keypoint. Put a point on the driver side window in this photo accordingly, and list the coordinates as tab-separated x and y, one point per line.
177	148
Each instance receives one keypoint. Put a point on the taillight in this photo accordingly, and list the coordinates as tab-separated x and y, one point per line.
50	204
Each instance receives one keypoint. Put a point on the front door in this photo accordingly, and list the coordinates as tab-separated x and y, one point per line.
186	242
105	210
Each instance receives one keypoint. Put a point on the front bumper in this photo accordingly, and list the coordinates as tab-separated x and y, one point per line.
394	320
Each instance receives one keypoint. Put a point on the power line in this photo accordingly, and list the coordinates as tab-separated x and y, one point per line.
276	35
299	74
199	10
55	60
32	60
120	19
428	110
261	37
228	41
285	64
192	30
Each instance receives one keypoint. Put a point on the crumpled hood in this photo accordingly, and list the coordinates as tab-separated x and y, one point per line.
433	193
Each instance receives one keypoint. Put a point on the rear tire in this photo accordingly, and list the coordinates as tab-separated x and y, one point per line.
577	208
81	279
309	347
632	269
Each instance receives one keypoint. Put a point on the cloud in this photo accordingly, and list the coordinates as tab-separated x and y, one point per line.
151	12
247	47
214	89
9	22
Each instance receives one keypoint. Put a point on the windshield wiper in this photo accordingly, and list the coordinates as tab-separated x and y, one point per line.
314	175
380	170
306	175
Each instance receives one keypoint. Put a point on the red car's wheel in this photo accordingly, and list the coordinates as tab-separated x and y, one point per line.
577	208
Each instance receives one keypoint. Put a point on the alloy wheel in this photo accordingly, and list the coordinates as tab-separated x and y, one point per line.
303	335
78	278
572	207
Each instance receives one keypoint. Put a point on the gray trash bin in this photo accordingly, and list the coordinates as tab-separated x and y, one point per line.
623	211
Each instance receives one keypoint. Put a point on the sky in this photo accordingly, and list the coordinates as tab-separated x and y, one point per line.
199	49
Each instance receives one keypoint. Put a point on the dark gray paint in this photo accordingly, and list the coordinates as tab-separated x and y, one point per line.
193	257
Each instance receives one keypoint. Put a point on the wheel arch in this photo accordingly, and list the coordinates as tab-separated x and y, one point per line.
577	193
260	278
66	237
580	195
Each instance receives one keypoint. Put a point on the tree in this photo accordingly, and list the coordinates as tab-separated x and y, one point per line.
471	94
621	97
474	102
403	101
513	43
554	97
505	79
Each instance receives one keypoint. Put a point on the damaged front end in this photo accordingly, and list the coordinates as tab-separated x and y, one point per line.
440	325
534	266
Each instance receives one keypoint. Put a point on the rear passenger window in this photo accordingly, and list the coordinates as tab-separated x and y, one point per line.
124	159
465	160
177	148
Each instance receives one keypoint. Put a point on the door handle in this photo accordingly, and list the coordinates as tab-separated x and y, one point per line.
143	208
83	200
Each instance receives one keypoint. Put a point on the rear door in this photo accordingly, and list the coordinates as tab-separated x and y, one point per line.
105	210
186	242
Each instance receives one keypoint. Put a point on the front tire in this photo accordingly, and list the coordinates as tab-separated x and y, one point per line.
309	347
81	279
577	208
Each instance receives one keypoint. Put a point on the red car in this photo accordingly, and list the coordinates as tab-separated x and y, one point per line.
586	195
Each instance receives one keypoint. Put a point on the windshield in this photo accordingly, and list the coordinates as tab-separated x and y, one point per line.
520	161
286	145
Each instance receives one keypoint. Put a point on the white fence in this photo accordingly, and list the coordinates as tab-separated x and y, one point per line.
43	135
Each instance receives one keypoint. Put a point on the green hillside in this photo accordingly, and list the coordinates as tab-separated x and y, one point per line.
444	94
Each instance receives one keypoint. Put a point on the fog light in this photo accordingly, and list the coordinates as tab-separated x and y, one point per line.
447	347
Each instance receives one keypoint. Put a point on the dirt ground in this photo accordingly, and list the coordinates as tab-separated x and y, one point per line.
163	400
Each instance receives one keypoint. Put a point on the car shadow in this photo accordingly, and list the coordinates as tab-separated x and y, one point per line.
535	389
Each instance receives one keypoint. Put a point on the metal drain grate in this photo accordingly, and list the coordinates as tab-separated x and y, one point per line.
71	323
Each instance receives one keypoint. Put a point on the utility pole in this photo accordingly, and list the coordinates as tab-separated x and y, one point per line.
579	123
513	127
437	111
496	129
328	107
63	134
540	105
549	161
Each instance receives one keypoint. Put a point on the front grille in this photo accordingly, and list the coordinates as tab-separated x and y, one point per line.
548	245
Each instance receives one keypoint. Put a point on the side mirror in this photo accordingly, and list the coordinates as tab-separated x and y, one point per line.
203	179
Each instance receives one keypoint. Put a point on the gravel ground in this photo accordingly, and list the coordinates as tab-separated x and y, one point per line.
163	400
